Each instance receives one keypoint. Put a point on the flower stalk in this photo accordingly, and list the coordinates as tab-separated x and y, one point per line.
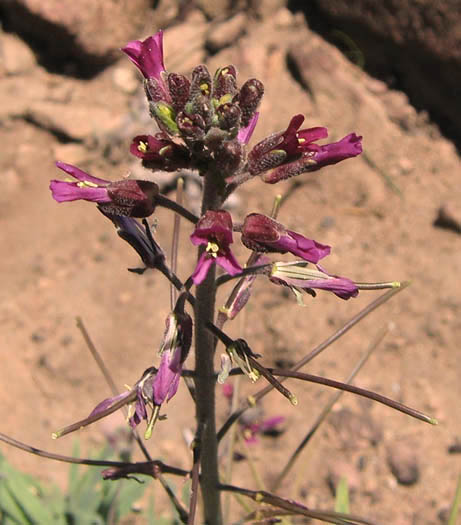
205	376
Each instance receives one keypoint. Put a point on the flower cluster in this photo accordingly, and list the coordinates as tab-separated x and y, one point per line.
205	123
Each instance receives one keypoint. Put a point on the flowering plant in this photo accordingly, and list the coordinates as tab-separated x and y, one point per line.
205	123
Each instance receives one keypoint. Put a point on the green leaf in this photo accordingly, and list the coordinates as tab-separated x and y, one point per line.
186	493
130	492
342	497
20	497
453	518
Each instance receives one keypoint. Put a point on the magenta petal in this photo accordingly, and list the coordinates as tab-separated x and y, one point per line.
244	134
201	270
347	147
70	191
80	175
166	381
147	55
290	139
229	263
308	249
312	134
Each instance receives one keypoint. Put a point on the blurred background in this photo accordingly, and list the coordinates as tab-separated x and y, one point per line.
390	71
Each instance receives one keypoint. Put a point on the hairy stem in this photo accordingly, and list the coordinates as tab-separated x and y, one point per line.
205	378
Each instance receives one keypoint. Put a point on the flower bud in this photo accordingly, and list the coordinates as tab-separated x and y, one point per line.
229	117
191	126
250	96
224	84
179	87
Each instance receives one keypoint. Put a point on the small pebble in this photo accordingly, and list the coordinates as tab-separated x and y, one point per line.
403	464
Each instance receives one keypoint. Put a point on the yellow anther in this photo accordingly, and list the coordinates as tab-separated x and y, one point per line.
225	99
212	248
142	146
205	88
86	184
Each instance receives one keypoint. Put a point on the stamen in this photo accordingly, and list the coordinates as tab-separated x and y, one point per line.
86	184
205	88
212	248
142	147
152	420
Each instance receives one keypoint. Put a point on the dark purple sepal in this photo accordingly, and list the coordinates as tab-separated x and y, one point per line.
263	234
315	157
131	198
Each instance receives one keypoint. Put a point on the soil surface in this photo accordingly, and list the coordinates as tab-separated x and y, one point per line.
391	214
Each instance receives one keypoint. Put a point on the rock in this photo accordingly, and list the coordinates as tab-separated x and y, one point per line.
16	57
215	8
184	44
226	33
419	43
88	32
72	122
449	217
126	79
71	153
355	430
403	463
455	448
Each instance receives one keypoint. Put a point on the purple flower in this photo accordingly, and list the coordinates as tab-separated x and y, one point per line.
263	234
315	157
214	230
128	197
298	277
158	152
293	152
147	55
175	348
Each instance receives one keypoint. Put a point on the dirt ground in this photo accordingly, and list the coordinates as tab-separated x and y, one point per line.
377	212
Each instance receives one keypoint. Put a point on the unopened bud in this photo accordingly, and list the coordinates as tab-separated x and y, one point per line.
229	117
250	96
191	126
225	83
179	87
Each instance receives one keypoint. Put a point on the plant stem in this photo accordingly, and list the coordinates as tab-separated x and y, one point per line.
205	379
